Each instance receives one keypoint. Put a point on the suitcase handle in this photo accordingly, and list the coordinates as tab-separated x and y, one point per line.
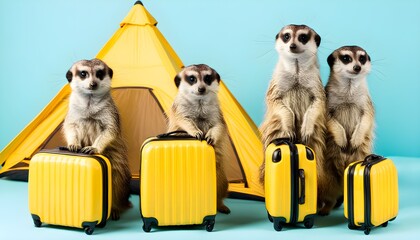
173	134
302	186
279	141
372	158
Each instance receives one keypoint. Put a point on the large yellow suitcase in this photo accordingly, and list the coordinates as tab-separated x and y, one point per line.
177	182
290	183
370	193
70	189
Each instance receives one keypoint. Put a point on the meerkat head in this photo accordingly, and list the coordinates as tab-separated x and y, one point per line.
295	41
90	76
197	81
349	62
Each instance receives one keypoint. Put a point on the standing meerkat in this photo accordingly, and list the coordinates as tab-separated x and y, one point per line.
196	110
92	125
350	120
295	100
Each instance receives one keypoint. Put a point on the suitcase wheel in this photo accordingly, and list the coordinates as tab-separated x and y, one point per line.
147	227
89	230
367	231
352	227
309	223
37	223
392	219
37	220
385	224
210	225
277	225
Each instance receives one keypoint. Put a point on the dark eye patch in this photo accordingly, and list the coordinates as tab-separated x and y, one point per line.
303	38
208	79
191	79
83	74
346	59
100	74
285	37
362	59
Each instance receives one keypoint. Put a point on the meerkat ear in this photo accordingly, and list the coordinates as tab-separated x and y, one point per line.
277	36
368	57
218	77
317	40
331	60
177	80
110	72
69	75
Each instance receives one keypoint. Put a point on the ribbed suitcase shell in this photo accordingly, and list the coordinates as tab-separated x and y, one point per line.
70	189
177	183
370	193
283	163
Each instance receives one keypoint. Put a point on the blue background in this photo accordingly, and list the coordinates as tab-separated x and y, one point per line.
40	40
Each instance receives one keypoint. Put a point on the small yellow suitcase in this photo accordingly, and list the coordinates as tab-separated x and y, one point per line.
290	184
370	193
70	189
177	182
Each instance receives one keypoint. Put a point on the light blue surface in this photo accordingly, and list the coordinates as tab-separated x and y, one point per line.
41	39
248	219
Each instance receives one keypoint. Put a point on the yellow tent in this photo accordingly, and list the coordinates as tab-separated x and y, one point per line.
144	67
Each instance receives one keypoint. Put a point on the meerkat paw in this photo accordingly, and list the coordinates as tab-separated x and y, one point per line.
89	150
341	141
290	135
74	148
306	131
222	208
210	137
198	134
356	141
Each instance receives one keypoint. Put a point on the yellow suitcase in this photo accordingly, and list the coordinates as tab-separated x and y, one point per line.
177	182
290	184
70	189
370	193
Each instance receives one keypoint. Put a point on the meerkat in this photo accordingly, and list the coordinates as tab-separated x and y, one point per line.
295	99
92	125
350	120
196	110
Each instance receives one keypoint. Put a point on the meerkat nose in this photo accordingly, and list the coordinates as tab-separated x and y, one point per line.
201	89
293	46
357	68
93	85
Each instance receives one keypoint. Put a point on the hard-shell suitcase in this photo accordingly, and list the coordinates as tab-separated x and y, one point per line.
70	189
290	183
177	182
370	193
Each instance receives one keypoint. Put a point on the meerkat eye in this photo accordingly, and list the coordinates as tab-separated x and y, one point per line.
286	37
362	59
100	74
191	79
83	74
207	79
346	59
303	38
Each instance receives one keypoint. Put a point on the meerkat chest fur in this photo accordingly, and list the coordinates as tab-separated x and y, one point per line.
205	112
348	101
91	114
296	84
